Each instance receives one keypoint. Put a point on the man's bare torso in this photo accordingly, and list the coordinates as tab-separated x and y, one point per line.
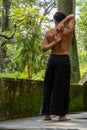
63	46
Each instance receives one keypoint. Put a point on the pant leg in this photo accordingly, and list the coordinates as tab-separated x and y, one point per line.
67	86
47	89
61	86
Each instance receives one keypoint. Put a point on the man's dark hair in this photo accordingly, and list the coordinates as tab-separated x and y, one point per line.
59	16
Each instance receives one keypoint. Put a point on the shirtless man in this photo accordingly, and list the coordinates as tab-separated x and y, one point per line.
57	76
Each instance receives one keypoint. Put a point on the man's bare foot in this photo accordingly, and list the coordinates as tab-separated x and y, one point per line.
63	118
47	118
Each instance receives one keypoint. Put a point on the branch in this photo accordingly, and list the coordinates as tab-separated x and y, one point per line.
6	37
10	37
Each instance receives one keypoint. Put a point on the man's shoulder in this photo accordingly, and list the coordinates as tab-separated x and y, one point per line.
51	30
50	34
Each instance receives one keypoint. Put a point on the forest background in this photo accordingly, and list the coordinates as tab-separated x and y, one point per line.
22	27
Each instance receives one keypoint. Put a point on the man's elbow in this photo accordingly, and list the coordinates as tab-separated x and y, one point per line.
43	49
73	16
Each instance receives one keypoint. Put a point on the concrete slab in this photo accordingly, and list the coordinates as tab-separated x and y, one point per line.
78	122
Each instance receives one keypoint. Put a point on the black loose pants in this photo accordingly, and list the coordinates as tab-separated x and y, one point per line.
56	86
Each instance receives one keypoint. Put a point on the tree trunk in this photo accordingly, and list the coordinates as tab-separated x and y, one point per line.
75	72
65	6
68	7
4	26
2	64
5	14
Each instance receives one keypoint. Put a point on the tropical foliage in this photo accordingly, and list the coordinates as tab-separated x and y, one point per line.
82	26
23	52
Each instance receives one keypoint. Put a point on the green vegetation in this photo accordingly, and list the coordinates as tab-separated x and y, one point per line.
76	103
83	68
40	75
82	63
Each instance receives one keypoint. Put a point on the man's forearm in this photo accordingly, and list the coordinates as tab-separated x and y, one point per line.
48	46
67	18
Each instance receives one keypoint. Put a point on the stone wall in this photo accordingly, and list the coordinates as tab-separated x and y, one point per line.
19	98
83	83
22	97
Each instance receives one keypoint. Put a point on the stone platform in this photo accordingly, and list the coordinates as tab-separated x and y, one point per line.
78	122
